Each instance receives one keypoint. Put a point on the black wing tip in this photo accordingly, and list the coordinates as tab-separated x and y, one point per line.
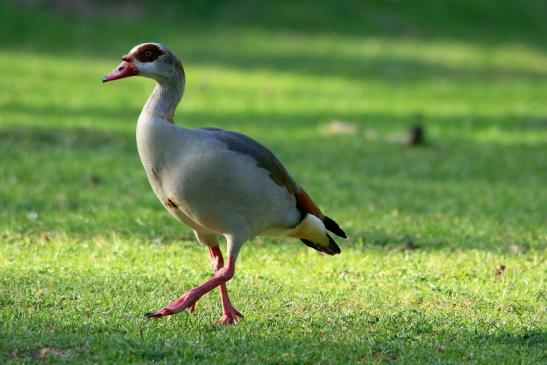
332	226
332	250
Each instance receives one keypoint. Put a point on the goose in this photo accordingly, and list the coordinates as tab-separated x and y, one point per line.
217	182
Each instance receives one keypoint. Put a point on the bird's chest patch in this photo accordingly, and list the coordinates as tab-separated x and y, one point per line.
171	204
177	210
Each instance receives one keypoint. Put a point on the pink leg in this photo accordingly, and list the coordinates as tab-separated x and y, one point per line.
230	315
189	299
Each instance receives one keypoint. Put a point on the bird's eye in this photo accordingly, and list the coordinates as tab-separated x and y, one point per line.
148	54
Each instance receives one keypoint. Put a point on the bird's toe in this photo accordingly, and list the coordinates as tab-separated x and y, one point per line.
230	318
159	313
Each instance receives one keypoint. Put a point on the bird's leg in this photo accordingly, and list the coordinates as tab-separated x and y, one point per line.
230	315
188	299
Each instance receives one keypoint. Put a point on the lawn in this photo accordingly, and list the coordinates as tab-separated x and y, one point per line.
446	259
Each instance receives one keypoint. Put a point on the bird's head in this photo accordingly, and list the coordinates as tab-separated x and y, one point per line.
152	60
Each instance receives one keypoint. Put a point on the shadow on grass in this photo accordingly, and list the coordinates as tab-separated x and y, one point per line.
208	45
433	184
69	139
456	126
379	156
355	67
479	21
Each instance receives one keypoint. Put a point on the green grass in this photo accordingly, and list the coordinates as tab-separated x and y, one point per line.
86	249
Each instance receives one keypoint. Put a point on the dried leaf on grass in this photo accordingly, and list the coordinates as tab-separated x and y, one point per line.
52	351
341	127
500	270
514	248
407	246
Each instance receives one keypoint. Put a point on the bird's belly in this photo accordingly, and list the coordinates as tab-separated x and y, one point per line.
184	214
177	206
222	197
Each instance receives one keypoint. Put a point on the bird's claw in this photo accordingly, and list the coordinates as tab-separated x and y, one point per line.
231	317
159	313
176	306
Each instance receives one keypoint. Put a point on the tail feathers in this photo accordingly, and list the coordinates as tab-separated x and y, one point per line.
332	226
331	249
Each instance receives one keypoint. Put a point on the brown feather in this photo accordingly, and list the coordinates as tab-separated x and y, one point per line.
306	205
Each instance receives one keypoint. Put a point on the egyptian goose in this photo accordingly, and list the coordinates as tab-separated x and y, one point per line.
219	183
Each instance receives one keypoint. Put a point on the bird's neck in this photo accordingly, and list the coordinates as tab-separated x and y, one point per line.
164	99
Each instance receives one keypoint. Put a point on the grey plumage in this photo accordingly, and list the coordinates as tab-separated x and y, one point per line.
219	183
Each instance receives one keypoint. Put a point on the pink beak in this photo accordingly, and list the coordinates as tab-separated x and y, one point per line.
124	69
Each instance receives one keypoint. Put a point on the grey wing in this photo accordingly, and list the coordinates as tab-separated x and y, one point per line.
264	158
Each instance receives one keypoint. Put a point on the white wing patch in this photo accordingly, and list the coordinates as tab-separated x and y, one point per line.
312	229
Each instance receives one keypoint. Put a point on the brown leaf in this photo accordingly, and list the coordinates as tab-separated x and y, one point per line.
500	270
41	292
416	136
514	248
407	246
52	351
341	127
94	179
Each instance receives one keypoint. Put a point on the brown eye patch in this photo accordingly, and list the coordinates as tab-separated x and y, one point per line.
148	53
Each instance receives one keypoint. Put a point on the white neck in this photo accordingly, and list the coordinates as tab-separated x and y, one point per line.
164	99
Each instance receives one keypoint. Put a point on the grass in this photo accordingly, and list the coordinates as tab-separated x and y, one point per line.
86	249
